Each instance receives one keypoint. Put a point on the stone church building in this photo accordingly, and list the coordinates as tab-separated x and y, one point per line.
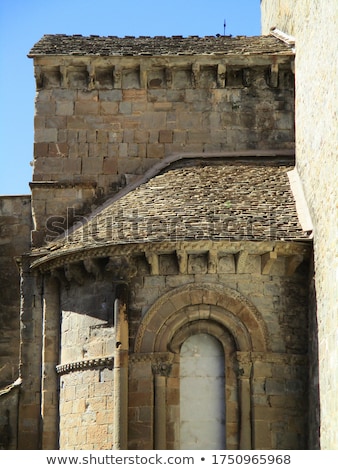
159	285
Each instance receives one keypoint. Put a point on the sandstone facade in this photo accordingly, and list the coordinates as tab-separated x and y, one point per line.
163	211
314	26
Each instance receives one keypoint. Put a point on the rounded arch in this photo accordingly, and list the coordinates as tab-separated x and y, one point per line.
195	302
199	327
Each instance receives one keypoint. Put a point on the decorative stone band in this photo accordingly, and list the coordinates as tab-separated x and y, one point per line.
94	363
262	248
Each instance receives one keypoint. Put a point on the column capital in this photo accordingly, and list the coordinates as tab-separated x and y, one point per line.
161	368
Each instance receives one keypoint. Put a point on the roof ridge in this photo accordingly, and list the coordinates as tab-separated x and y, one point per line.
63	44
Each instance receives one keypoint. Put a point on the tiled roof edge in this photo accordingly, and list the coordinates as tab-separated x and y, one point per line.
94	45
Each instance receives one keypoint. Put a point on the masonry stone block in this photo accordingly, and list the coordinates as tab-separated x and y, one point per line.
155	150
64	108
110	108
165	136
125	107
45	108
45	135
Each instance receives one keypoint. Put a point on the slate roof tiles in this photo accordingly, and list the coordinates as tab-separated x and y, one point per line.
201	200
60	44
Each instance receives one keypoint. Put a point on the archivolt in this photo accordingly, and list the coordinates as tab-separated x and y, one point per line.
193	302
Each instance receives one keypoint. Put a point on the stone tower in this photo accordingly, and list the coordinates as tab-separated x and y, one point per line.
313	25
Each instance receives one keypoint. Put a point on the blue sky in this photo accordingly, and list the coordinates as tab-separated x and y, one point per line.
23	23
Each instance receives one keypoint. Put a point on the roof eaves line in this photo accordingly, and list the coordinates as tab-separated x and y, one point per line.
185	54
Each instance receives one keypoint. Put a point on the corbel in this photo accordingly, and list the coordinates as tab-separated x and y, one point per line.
212	261
182	259
123	268
94	267
221	75
91	76
246	77
195	75
143	76
267	261
64	76
240	261
38	77
153	260
117	76
168	77
273	76
59	274
75	272
292	263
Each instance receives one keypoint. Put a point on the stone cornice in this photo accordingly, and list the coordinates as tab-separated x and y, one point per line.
93	363
49	260
62	185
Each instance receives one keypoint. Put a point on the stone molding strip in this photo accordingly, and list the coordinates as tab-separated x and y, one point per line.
156	358
94	363
62	184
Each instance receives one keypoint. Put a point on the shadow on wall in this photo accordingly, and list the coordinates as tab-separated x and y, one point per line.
9	402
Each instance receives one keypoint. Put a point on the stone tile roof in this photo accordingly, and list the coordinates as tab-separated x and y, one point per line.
60	44
195	201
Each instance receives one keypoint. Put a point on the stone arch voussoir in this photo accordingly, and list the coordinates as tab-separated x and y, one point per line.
193	302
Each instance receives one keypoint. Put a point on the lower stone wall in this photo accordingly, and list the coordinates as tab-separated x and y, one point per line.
8	418
278	394
259	315
15	226
141	402
279	401
86	409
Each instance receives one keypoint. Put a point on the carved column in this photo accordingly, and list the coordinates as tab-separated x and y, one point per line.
121	373
244	381
30	357
161	371
50	358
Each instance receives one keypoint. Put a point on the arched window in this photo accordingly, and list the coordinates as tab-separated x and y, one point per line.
197	310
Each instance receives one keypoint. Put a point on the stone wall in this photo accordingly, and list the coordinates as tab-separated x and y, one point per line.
91	140
279	378
9	399
87	409
92	137
160	294
314	24
15	226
